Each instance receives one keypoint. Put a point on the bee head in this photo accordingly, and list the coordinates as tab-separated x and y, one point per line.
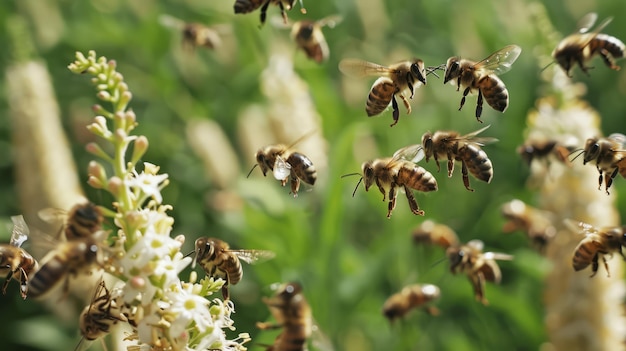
453	69
418	70
592	150
427	143
368	174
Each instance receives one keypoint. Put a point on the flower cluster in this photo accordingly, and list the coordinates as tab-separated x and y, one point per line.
165	312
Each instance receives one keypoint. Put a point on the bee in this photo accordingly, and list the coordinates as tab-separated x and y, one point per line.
581	46
478	265
433	233
398	171
293	314
483	76
69	258
393	81
609	154
410	297
83	220
309	37
465	149
286	164
99	316
531	151
536	223
219	261
15	262
597	243
246	6
193	34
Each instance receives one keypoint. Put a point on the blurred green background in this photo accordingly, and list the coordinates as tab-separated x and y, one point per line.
346	253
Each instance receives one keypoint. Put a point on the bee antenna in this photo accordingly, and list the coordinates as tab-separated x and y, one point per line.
548	65
580	152
438	261
253	167
357	186
432	70
350	174
302	9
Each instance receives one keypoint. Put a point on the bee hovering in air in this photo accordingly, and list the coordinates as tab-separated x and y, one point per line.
545	149
84	220
395	80
219	261
433	233
246	6
537	224
398	171
409	298
463	148
597	243
193	34
293	315
309	37
609	155
478	265
15	262
286	164
580	47
483	76
99	316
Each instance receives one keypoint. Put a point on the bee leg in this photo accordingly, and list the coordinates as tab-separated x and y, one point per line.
437	162
392	200
479	106
295	185
465	176
6	282
600	179
409	84
382	189
264	12
607	60
450	164
396	110
406	104
458	84
594	265
267	326
606	266
478	282
465	92
225	292
609	180
23	283
412	202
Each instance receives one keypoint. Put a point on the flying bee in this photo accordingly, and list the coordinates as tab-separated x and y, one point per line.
193	34
84	220
99	316
537	224
465	148
398	171
69	258
479	266
483	76
286	164
219	261
246	6
395	80
15	262
580	47
597	243
293	315
410	297
531	151
609	154
433	233
309	37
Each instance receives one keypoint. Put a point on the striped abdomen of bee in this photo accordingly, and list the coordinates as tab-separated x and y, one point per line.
18	264
69	258
477	163
380	96
103	312
302	167
415	177
608	47
246	6
83	221
495	93
215	258
589	252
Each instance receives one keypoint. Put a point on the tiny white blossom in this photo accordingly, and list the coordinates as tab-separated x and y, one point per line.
148	184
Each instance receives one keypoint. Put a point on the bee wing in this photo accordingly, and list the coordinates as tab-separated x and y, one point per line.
476	244
580	227
500	61
282	169
480	141
52	215
319	339
413	153
330	21
618	138
253	256
20	231
588	20
359	68
497	256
